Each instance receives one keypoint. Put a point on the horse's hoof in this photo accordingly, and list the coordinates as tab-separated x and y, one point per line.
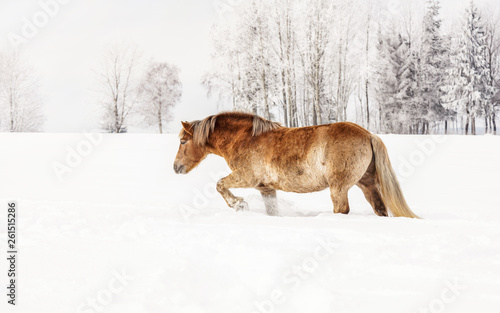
241	206
273	212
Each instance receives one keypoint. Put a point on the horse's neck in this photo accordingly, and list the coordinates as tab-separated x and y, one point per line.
224	142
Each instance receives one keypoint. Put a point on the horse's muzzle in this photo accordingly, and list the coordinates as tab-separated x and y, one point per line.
179	169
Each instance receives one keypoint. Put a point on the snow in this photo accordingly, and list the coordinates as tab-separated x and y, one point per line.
123	233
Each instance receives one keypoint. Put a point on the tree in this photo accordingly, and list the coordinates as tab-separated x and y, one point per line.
243	67
347	60
367	68
409	92
319	58
433	57
285	30
301	61
387	76
160	91
118	79
470	91
493	64
267	62
224	78
20	101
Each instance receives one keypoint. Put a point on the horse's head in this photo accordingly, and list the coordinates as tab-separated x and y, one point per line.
190	153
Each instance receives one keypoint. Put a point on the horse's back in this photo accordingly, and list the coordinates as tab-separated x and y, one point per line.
303	139
307	159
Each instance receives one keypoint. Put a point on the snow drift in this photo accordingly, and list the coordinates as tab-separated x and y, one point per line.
106	226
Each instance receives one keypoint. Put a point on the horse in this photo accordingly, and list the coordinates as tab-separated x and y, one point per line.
268	157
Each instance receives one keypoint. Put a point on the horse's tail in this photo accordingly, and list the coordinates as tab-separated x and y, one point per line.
389	185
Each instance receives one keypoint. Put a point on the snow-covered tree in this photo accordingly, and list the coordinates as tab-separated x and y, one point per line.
275	59
470	90
160	91
118	80
347	59
366	69
386	76
306	62
393	76
284	30
493	63
243	61
433	57
20	100
317	64
411	116
224	79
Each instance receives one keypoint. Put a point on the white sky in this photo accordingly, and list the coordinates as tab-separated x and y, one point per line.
65	51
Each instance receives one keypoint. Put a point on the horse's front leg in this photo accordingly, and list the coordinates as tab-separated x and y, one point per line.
233	180
270	200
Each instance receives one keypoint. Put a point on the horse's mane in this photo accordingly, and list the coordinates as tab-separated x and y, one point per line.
202	129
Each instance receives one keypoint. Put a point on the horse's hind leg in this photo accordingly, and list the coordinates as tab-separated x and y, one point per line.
348	160
341	183
372	194
339	187
270	200
369	186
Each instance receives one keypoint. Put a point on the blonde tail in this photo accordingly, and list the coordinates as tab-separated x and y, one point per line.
389	185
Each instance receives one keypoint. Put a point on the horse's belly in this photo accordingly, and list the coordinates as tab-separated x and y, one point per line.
302	188
303	180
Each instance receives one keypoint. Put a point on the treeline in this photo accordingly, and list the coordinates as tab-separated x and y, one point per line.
390	69
128	91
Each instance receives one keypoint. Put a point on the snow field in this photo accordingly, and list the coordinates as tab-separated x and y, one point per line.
120	232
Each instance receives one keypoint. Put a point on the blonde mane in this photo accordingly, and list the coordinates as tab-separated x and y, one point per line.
201	130
261	126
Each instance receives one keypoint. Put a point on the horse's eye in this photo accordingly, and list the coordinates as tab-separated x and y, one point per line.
183	142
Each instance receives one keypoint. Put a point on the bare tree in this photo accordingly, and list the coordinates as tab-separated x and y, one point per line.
160	90
319	37
224	79
493	63
366	70
20	101
286	50
347	61
118	80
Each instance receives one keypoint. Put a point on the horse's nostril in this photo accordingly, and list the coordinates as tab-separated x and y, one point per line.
179	169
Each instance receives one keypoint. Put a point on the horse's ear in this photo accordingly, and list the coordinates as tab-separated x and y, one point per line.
187	127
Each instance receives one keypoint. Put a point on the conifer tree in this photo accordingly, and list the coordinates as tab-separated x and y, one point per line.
470	90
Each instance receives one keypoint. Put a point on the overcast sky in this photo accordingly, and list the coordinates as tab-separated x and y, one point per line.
72	43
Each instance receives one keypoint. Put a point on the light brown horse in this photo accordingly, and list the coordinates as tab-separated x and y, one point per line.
266	156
